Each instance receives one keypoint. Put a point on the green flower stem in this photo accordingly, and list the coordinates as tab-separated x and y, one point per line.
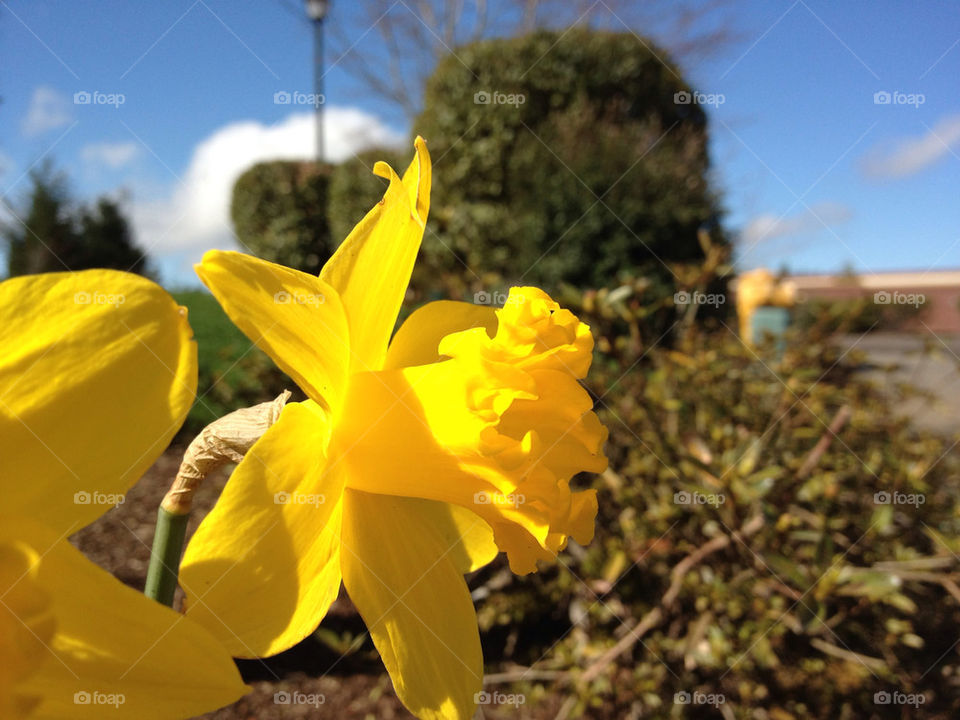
165	556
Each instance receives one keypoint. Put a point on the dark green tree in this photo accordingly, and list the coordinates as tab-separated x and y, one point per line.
50	233
42	234
107	240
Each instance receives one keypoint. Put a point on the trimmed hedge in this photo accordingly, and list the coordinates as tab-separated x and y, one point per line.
597	172
279	212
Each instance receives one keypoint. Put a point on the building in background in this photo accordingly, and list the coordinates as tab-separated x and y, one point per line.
937	292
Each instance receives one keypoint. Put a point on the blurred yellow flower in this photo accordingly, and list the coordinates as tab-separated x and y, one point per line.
97	371
411	463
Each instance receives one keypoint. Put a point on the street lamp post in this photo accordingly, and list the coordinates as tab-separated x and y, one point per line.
317	12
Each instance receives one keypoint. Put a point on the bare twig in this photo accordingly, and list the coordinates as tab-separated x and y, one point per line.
657	614
872	663
810	462
951	587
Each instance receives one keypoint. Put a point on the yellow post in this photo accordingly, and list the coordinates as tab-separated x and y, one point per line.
757	288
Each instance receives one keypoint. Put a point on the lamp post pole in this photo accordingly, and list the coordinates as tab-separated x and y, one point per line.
317	12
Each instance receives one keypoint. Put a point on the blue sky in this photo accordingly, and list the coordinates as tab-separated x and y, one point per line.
814	173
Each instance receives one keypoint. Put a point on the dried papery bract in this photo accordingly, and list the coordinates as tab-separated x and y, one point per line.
223	441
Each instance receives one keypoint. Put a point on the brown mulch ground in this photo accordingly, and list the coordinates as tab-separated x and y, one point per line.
352	686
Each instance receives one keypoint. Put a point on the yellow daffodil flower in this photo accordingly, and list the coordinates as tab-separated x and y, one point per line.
97	372
411	463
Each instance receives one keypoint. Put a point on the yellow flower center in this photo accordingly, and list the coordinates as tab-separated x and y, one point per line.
499	425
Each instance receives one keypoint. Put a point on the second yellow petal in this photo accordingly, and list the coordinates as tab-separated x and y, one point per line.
263	567
97	372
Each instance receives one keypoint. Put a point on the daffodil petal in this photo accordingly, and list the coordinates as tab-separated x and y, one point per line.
418	339
263	567
498	426
297	319
371	269
415	604
468	537
475	544
417	180
26	626
416	343
111	648
97	372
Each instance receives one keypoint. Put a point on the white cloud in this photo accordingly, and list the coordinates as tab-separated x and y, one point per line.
766	227
911	155
196	214
49	109
111	155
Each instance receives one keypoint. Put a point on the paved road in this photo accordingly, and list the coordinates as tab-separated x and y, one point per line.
937	371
